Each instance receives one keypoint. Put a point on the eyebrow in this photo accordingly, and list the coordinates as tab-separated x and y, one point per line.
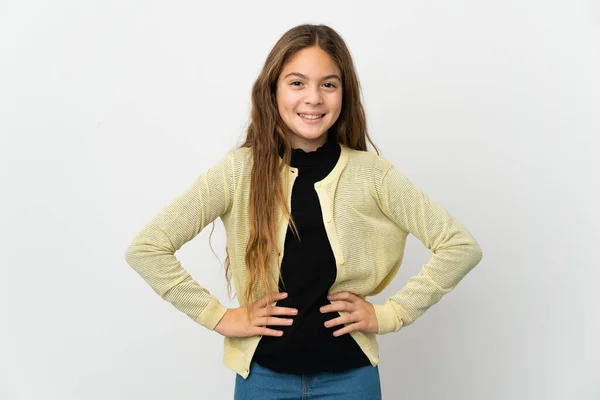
306	77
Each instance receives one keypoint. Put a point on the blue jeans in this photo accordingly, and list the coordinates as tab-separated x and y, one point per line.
264	384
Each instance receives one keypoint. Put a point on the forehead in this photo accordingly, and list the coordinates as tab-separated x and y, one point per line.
313	62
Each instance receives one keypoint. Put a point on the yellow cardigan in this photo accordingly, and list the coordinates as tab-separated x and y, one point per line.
368	207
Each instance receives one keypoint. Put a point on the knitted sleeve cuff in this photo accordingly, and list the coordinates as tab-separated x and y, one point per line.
387	319
212	314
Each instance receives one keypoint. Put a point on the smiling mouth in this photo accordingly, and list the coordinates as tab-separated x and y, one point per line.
311	117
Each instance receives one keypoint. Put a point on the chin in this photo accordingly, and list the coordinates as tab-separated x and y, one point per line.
310	135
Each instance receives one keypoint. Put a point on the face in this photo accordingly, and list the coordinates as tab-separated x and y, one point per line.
309	97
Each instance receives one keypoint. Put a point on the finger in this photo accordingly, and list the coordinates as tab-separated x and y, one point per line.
339	306
269	332
265	300
264	312
272	321
344	319
347	296
347	329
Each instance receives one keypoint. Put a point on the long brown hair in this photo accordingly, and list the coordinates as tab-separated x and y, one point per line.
267	132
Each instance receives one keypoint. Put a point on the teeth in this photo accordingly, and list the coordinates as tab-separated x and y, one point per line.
309	116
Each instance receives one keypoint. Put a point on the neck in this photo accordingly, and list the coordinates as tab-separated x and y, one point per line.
309	145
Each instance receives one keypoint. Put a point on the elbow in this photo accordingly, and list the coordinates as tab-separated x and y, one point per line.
141	251
471	249
129	254
476	253
463	240
132	253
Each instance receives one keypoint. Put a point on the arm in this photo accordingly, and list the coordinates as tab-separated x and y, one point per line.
455	251
151	253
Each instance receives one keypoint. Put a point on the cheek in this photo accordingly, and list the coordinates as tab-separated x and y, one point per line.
283	93
286	103
336	104
335	100
282	104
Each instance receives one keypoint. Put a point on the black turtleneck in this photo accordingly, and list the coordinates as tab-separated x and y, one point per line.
308	270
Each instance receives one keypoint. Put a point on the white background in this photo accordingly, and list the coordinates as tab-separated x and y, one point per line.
110	109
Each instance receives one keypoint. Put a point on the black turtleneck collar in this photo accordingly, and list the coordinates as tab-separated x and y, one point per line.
328	151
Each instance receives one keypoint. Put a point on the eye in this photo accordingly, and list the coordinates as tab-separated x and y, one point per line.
294	83
332	85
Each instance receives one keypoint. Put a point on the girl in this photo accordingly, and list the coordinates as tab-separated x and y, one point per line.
315	224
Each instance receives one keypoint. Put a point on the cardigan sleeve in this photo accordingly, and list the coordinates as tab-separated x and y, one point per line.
151	253
455	251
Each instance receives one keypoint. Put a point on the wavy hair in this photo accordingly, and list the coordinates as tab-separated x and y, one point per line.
267	133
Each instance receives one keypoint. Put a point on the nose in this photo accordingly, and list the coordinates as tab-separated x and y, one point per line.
313	96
